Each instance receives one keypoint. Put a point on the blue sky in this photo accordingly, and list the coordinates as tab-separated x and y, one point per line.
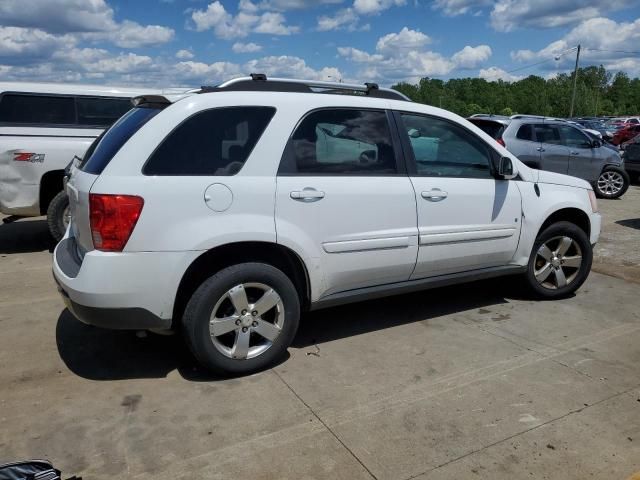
194	42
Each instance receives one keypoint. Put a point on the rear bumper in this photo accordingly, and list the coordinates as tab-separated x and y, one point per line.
120	290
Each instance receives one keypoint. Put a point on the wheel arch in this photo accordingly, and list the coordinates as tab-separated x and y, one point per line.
572	215
223	256
50	185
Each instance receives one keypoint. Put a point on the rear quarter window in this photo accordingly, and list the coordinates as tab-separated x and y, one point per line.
110	142
214	142
525	132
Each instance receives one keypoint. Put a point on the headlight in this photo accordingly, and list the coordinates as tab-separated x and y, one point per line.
594	201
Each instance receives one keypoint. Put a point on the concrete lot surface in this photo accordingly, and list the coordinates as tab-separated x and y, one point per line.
467	382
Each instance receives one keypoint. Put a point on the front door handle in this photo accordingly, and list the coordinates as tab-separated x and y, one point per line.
575	153
540	149
434	195
307	194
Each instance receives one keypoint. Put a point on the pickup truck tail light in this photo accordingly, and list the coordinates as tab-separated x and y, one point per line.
594	201
112	219
501	142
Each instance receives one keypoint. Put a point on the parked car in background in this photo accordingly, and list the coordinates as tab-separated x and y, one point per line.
553	144
42	128
632	157
227	212
626	133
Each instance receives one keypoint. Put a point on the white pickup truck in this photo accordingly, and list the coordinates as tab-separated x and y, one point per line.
42	128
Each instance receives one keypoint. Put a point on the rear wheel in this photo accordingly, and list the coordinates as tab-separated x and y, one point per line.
58	215
242	319
560	261
613	182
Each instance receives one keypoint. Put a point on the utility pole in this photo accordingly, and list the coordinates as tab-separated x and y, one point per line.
575	83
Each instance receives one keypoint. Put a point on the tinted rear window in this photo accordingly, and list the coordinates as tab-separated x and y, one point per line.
101	111
37	109
493	129
103	150
61	110
212	142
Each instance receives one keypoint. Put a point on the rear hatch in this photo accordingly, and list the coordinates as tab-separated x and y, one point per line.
85	173
491	127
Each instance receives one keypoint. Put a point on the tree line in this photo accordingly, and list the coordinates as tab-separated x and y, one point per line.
598	93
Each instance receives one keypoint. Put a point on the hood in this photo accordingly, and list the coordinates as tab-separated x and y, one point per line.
560	179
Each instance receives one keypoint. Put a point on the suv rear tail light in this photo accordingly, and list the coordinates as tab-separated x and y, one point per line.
112	219
501	142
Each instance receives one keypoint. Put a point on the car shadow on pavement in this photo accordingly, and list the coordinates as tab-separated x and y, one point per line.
24	236
630	222
100	354
330	324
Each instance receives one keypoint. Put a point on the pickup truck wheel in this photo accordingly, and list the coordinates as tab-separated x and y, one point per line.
560	261
58	215
613	182
242	319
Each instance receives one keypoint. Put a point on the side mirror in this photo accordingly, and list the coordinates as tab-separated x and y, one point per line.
596	144
414	133
506	169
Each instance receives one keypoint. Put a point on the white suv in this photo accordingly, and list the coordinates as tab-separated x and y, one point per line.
228	212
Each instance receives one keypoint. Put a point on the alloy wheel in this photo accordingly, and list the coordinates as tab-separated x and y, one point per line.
557	262
610	183
247	320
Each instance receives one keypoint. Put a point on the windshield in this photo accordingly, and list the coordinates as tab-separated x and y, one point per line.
109	143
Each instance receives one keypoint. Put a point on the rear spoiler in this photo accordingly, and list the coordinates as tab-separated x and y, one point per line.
151	101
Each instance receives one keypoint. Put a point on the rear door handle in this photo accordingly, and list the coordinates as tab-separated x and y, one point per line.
540	149
575	153
434	195
307	194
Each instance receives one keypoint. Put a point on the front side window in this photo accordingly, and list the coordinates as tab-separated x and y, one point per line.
572	137
341	142
443	149
213	142
547	134
37	109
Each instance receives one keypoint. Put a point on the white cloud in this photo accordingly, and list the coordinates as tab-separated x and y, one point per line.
460	7
349	18
251	47
604	41
89	19
283	5
508	15
402	41
247	20
493	74
344	18
31	43
471	57
403	56
184	54
369	7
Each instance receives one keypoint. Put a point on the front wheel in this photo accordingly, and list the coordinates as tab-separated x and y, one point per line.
560	261
242	319
613	182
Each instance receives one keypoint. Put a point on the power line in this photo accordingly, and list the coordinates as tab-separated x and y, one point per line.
531	65
612	51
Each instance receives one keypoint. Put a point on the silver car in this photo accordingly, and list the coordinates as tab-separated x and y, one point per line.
557	146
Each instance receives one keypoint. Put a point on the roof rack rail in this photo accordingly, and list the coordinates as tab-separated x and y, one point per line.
539	117
260	82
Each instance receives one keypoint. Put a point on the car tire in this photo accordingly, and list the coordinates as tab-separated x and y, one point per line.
58	215
253	329
554	258
613	182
